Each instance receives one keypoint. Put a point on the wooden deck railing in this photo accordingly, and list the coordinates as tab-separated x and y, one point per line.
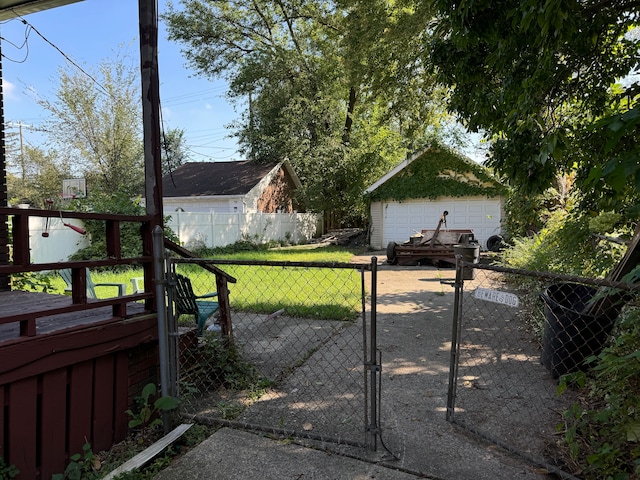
20	262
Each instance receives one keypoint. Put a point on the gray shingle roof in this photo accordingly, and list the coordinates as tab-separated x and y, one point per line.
214	178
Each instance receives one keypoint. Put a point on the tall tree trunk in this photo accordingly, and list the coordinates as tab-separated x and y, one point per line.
348	123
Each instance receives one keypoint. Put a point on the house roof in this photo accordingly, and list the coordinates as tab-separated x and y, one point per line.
218	178
435	172
12	8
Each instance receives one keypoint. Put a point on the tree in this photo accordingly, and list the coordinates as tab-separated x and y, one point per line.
96	124
174	152
40	177
338	88
542	79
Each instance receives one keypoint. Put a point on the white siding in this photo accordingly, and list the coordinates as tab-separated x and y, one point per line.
375	231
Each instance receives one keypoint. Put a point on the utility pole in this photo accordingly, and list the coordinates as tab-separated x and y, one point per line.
4	219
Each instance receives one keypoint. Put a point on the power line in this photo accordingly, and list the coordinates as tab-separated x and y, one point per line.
66	57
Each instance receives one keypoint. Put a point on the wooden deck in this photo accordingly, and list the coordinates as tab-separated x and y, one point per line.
18	306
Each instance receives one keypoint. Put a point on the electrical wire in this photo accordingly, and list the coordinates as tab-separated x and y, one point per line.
27	32
66	57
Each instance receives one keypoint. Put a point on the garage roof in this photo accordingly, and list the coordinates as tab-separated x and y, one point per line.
13	8
435	172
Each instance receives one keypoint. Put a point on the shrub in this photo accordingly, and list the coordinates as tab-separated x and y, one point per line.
566	245
117	203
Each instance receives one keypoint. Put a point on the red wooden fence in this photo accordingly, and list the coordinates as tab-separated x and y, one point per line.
72	387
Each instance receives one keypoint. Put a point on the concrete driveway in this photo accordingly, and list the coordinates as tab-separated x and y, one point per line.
414	331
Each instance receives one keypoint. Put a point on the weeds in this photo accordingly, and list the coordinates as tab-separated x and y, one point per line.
8	471
82	466
149	414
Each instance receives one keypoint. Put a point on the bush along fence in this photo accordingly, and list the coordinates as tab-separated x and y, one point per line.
291	355
541	362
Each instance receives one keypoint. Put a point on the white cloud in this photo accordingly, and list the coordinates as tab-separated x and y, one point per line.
9	89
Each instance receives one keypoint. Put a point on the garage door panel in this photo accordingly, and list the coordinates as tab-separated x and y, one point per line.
403	219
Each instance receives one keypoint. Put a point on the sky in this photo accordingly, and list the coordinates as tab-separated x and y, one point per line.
92	31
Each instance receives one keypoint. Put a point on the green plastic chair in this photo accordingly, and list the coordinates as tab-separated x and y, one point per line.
91	287
188	303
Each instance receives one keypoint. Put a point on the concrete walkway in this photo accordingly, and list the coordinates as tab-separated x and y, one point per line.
414	330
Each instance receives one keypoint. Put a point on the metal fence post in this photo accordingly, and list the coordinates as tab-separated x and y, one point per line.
163	340
372	363
455	345
173	336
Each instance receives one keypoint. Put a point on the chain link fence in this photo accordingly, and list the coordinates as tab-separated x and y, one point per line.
286	354
515	333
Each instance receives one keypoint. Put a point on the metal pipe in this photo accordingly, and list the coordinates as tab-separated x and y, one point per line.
163	340
455	345
373	364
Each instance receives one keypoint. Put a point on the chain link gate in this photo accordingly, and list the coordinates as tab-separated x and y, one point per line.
290	350
512	339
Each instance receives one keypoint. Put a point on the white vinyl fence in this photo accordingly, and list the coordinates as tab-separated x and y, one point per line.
220	229
193	229
59	244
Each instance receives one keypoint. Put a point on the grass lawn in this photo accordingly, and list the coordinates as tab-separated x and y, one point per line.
311	292
306	292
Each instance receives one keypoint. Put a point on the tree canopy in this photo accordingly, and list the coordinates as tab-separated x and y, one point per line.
543	79
96	124
339	88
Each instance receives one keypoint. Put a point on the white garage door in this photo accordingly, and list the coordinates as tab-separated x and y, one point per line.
400	220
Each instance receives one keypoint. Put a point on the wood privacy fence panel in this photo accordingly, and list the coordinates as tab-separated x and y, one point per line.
48	415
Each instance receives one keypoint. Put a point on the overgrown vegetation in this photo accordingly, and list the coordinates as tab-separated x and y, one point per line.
602	430
93	466
33	282
223	362
81	466
117	202
570	243
109	202
437	173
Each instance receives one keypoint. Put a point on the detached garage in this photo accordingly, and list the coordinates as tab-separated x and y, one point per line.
413	196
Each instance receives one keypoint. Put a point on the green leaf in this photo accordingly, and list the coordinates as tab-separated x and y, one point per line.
633	432
148	390
135	423
166	403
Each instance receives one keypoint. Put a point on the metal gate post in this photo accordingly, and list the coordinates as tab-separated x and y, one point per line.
372	364
163	337
455	343
173	335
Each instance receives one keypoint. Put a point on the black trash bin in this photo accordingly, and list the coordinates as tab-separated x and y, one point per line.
570	336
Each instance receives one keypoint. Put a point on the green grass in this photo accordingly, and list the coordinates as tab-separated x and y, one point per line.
306	292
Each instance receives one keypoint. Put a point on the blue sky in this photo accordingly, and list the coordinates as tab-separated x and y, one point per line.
90	31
